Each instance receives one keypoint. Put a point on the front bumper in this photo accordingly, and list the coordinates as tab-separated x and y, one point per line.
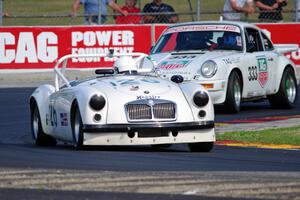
154	126
145	134
216	89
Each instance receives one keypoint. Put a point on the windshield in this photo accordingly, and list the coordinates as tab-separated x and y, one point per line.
200	37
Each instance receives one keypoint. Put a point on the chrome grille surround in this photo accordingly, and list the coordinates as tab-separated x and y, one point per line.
151	110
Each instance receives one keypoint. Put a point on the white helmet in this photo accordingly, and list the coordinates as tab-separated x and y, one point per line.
125	64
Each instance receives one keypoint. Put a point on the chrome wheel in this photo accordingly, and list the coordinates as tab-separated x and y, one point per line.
237	93
290	88
39	136
233	99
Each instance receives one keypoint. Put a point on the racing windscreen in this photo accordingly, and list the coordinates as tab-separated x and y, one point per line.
200	37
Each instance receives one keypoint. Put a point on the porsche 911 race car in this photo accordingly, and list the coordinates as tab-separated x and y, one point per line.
235	61
123	105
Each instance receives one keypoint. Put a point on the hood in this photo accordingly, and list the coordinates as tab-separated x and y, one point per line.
134	87
186	63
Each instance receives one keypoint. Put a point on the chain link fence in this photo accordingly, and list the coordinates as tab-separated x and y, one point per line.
57	12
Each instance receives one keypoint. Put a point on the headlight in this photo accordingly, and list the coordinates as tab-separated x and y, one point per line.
201	98
97	102
208	69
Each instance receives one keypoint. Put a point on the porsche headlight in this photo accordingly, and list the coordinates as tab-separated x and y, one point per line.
208	69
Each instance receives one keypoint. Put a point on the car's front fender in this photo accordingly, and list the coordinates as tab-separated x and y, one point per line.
40	96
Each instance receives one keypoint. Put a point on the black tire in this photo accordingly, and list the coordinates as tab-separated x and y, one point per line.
39	136
201	146
286	97
77	132
234	93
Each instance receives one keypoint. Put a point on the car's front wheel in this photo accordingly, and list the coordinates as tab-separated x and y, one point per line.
77	128
234	93
201	146
39	136
286	97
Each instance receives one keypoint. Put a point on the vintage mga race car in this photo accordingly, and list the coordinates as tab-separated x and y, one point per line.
235	61
121	106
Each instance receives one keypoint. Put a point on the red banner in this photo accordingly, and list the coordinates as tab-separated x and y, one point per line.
285	34
40	47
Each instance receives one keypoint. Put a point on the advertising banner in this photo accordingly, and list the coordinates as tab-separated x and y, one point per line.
40	47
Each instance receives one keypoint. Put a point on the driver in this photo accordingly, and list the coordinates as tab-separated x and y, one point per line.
126	65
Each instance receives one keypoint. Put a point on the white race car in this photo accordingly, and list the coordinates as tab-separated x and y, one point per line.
121	106
235	61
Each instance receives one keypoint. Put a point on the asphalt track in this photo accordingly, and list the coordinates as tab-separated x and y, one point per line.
29	172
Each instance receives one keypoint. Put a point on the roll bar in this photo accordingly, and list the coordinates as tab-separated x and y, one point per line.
59	71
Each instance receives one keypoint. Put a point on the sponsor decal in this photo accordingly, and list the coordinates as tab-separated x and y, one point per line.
188	57
252	73
262	71
170	65
63	119
229	61
147	97
239	41
51	118
231	28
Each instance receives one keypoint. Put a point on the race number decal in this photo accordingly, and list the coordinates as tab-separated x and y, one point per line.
262	71
51	118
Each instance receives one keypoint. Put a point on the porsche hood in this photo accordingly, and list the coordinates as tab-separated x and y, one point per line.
186	63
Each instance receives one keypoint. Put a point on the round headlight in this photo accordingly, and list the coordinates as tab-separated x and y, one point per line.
97	102
201	98
208	69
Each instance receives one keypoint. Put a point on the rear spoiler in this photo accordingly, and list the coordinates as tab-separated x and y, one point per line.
286	48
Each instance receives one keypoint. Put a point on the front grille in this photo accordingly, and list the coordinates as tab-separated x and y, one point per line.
139	111
151	110
164	111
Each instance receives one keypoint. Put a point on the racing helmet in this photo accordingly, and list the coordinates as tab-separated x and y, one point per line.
125	64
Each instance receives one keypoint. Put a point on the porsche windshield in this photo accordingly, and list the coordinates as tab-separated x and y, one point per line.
199	40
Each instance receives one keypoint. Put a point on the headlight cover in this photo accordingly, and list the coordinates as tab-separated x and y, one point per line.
201	98
208	69
97	102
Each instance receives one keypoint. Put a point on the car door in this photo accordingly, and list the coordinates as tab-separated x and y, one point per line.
257	80
272	61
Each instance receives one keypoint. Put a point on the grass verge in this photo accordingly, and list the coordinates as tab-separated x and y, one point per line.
290	136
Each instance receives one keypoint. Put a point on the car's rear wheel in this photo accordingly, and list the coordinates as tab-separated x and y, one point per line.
286	97
77	128
234	93
201	146
39	136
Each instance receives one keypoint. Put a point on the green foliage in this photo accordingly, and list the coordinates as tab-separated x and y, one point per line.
289	136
